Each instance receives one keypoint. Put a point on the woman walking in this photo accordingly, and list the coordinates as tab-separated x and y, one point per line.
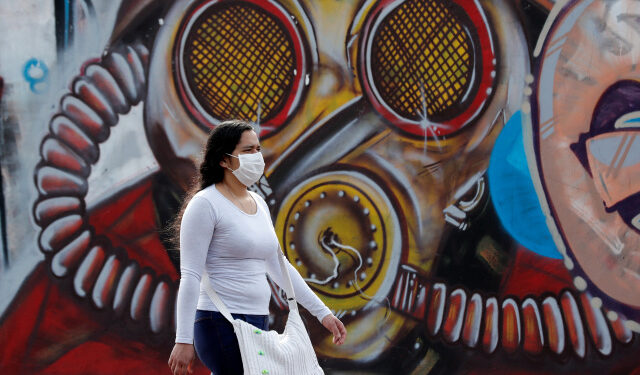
226	230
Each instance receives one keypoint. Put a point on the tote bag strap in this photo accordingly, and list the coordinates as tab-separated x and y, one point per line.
217	302
206	284
288	287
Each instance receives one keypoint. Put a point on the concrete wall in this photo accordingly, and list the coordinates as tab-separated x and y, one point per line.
457	180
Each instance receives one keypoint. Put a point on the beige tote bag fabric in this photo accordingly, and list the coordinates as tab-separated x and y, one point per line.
268	352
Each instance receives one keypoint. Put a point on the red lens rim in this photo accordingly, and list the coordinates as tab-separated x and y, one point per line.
300	81
483	83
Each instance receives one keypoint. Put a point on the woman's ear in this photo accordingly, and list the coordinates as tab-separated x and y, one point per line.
225	163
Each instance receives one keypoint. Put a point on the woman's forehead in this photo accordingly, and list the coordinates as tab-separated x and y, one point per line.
248	138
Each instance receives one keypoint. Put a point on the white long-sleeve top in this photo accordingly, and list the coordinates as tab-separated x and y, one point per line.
237	250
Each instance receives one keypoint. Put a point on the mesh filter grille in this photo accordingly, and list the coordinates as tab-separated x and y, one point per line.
422	59
239	62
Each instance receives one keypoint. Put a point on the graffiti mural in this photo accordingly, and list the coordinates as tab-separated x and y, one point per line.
453	178
589	186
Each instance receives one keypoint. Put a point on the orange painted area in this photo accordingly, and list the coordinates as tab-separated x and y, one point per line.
510	330
531	328
553	336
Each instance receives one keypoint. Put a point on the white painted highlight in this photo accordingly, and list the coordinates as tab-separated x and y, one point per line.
632	326
476	300
557	322
494	324
457	328
440	312
532	303
580	283
574	314
516	311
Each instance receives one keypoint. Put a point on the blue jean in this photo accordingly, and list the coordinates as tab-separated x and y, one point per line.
216	343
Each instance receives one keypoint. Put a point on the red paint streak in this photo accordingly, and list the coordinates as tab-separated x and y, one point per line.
622	333
488	327
432	316
532	341
129	222
510	330
455	309
45	331
85	65
553	336
590	319
20	319
55	157
421	302
469	320
570	320
533	274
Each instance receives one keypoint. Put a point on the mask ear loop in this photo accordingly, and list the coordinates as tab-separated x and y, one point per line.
234	157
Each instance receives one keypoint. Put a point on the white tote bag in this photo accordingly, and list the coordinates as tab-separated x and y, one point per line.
268	352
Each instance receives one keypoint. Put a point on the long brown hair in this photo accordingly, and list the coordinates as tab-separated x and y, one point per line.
222	140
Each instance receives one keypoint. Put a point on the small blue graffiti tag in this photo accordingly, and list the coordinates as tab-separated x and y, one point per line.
36	73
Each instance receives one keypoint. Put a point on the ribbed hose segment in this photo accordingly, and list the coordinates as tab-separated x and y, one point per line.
106	89
568	322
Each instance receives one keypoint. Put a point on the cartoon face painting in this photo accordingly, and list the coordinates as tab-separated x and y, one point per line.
588	159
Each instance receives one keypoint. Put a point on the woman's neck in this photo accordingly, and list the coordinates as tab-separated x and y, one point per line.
236	188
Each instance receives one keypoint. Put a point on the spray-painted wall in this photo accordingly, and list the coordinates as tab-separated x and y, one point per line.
456	179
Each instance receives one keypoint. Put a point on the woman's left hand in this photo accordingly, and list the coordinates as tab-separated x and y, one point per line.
335	326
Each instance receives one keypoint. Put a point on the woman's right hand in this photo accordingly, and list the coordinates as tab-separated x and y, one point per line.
181	359
335	326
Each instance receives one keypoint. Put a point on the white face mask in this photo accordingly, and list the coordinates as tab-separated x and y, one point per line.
250	169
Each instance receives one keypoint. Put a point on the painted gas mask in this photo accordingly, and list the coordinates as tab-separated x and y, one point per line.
376	118
376	121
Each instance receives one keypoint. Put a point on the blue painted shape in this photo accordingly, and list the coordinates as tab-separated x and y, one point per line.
36	72
513	194
633	120
66	23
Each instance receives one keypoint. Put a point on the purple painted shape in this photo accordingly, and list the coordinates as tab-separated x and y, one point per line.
619	99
